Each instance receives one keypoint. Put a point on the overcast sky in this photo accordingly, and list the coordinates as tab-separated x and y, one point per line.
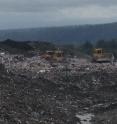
42	13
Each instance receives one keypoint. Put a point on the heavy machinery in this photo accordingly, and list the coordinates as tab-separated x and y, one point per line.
100	56
56	55
48	55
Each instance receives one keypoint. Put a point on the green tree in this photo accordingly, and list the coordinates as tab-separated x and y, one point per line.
102	44
87	47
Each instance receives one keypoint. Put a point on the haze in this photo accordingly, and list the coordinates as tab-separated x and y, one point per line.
44	13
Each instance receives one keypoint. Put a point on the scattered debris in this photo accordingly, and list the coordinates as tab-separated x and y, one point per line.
34	90
85	118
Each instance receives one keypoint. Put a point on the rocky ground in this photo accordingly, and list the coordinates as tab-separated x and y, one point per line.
39	92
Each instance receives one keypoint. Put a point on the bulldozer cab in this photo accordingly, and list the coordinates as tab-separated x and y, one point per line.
101	56
58	55
98	51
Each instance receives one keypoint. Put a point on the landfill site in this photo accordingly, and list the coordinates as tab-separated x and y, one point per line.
34	90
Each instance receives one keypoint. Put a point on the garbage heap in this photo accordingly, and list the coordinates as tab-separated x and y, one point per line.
57	96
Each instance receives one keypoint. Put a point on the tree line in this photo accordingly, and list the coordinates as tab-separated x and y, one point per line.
107	46
69	49
88	47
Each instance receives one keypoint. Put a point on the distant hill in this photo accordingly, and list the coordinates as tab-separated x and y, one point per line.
25	47
65	34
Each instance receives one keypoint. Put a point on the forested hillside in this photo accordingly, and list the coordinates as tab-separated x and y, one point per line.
63	35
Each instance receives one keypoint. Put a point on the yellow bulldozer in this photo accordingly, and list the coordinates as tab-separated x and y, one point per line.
99	55
56	55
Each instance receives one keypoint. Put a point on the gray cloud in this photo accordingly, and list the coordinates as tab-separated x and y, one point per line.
48	5
37	13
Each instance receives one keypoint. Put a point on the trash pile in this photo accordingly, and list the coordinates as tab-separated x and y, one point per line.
20	63
35	91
